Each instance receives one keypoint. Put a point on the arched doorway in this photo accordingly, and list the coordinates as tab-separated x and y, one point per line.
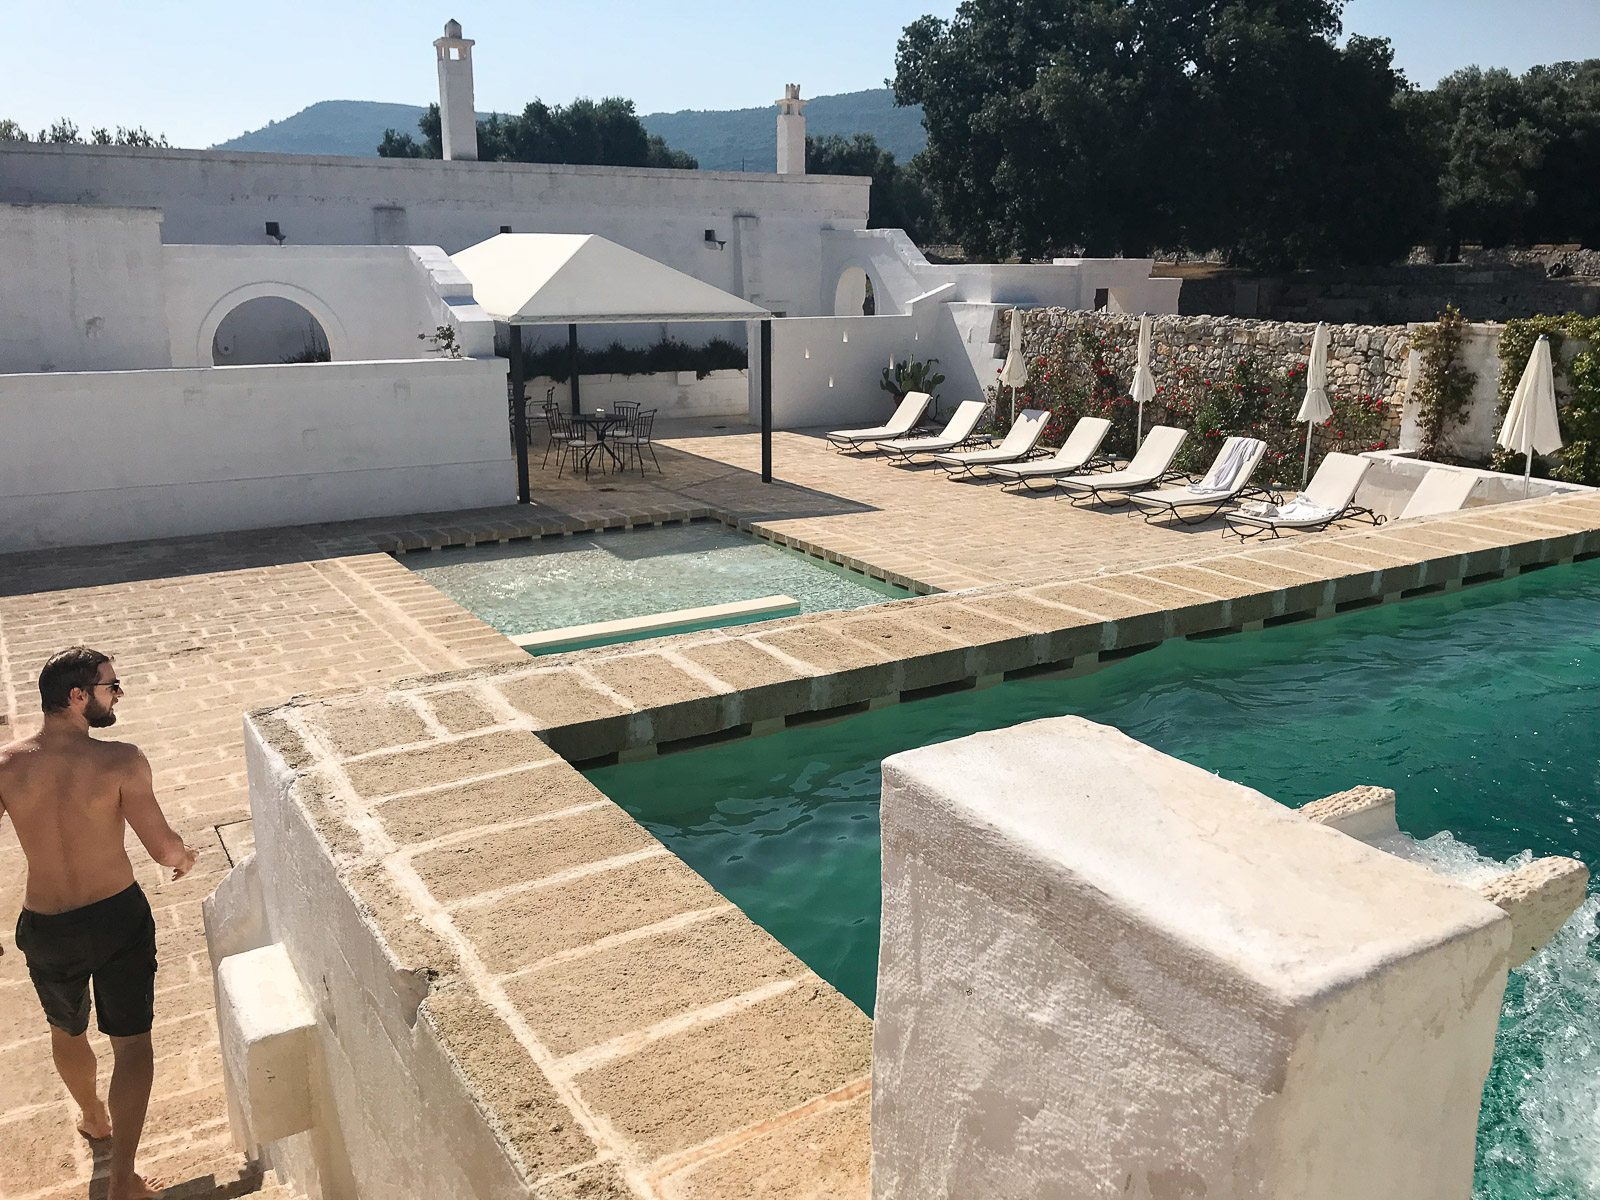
269	329
851	293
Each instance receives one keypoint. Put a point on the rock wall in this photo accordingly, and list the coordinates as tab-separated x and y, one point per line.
1363	360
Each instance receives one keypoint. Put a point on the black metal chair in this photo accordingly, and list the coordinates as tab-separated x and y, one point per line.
564	438
636	440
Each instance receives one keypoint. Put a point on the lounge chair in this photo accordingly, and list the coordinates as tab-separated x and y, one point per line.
954	435
1228	479
906	415
1439	492
1017	445
1329	497
1080	452
1152	465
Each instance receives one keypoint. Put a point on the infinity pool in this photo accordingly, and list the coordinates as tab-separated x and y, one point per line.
554	583
1481	709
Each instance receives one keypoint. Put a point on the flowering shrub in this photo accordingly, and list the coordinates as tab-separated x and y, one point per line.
1073	378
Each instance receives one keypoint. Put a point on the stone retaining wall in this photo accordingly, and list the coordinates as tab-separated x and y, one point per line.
1363	360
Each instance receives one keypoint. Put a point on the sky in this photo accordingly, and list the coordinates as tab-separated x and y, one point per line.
202	73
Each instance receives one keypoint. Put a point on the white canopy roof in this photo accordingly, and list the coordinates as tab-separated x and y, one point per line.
581	278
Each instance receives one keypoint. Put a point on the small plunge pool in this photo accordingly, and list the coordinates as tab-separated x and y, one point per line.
1481	709
530	586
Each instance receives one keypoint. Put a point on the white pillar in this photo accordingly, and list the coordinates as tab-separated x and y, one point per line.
791	132
1106	972
458	119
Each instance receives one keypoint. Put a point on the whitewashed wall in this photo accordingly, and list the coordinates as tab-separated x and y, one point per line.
116	456
80	288
371	301
770	225
901	274
1480	354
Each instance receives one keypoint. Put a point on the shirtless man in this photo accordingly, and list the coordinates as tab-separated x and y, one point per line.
84	918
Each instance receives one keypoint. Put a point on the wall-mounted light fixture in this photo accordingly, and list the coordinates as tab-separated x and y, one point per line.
713	240
274	230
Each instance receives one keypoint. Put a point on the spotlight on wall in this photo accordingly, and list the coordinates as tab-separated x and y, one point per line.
713	240
275	231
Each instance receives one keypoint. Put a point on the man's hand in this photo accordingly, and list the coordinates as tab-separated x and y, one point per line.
185	864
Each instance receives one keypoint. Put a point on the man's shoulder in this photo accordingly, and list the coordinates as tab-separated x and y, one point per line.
118	753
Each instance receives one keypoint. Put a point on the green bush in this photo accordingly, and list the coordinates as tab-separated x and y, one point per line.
668	354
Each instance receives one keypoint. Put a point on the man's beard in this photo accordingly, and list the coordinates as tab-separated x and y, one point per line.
98	715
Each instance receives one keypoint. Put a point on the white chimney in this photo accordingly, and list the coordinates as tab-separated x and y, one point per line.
791	132
458	120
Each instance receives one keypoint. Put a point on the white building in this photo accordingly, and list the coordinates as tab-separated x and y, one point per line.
125	259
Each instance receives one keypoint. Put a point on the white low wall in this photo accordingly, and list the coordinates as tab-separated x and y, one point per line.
116	456
1394	476
393	1113
1106	972
671	394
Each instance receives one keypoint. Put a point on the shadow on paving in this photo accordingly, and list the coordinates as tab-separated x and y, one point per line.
687	480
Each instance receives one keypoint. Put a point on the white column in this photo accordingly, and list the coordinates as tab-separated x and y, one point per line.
791	132
458	118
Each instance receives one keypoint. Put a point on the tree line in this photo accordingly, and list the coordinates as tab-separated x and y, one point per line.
1243	126
604	133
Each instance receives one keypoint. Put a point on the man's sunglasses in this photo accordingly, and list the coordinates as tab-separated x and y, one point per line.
114	684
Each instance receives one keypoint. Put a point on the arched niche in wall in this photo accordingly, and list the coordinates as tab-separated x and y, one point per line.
269	323
851	292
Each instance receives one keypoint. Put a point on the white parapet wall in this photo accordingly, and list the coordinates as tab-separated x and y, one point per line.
1394	476
1105	972
124	455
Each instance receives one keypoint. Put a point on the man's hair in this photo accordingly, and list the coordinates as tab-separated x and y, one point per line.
74	667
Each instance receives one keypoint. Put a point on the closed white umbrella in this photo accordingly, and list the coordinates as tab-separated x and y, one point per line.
1315	409
1532	423
1015	372
1144	384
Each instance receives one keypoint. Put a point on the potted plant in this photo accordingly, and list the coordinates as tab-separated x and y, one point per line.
911	376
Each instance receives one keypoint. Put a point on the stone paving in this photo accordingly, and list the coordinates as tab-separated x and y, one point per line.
205	629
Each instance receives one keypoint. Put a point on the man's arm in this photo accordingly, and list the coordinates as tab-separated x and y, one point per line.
143	812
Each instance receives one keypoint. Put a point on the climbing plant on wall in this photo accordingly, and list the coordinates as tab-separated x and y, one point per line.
1578	460
1444	388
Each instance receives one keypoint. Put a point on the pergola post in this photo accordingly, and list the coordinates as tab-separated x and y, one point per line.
766	401
572	366
519	414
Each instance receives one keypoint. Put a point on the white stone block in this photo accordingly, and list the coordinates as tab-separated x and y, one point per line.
268	1031
1105	972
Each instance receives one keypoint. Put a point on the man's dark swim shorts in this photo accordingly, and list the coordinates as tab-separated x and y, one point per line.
112	943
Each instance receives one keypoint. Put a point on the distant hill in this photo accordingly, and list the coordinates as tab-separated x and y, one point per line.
730	140
330	127
746	138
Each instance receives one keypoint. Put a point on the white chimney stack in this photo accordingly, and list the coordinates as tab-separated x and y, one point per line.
791	132
458	119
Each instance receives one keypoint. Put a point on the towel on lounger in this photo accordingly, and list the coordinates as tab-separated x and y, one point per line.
1223	478
1298	509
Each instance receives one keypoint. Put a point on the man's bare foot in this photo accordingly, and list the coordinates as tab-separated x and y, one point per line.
137	1188
95	1123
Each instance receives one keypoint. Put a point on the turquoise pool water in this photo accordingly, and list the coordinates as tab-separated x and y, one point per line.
1481	709
552	583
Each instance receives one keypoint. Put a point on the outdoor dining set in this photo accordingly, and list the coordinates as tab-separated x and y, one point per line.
616	438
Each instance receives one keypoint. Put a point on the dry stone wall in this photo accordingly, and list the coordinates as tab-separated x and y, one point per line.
1363	360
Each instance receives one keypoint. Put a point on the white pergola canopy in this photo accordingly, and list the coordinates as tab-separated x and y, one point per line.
583	279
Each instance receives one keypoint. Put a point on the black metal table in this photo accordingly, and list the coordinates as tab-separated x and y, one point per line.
601	423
